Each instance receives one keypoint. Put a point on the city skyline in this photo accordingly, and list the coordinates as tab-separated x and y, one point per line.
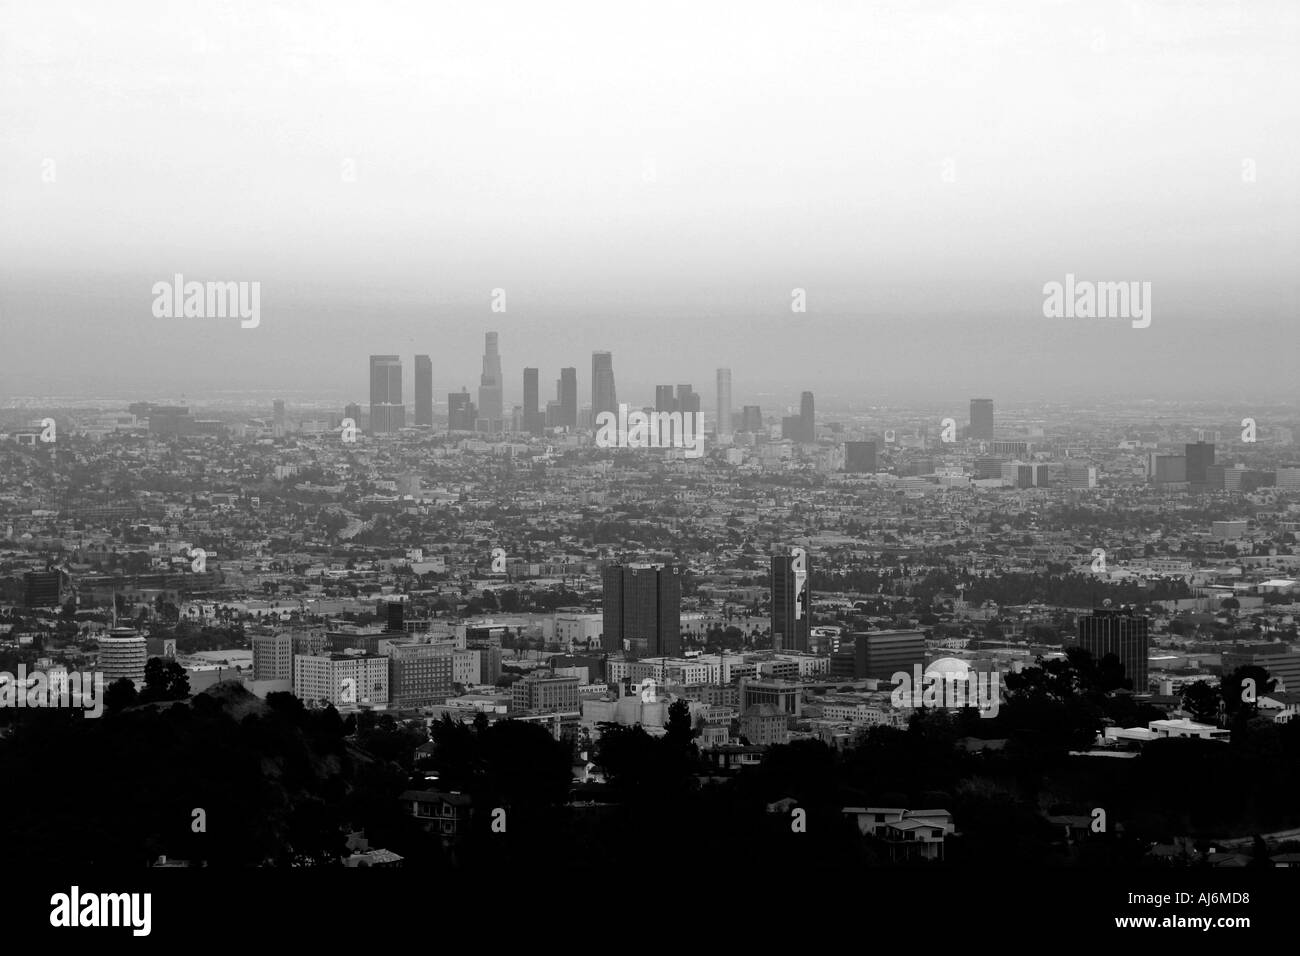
919	212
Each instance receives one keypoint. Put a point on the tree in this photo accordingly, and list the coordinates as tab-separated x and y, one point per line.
678	729
164	680
1202	701
120	694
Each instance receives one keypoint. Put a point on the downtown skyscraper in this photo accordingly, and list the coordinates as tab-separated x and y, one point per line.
723	407
568	397
688	400
533	419
807	419
460	411
423	391
604	397
387	413
981	419
491	390
642	609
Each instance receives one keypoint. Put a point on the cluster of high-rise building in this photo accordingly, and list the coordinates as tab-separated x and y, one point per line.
488	414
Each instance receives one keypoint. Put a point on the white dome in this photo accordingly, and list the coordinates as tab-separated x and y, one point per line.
949	668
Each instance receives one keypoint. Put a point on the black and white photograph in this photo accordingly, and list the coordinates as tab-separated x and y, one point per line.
824	471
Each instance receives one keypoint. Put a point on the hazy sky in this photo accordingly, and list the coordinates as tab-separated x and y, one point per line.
653	179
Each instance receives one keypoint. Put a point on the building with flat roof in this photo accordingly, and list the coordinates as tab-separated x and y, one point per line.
881	654
642	609
1121	632
545	694
348	681
420	674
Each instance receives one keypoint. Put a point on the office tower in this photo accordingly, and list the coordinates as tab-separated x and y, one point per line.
568	397
665	401
791	600
170	420
687	399
423	391
396	616
42	588
807	420
981	419
792	427
1031	476
553	414
277	417
604	397
751	419
860	457
532	413
1200	456
1120	632
491	389
273	656
642	609
460	411
882	654
1167	469
420	674
1080	474
723	408
352	410
387	413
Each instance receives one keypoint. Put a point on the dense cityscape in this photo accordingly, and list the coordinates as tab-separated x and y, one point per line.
650	476
450	639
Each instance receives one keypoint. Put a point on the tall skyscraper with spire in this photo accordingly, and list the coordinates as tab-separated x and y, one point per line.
491	404
604	398
723	408
387	413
